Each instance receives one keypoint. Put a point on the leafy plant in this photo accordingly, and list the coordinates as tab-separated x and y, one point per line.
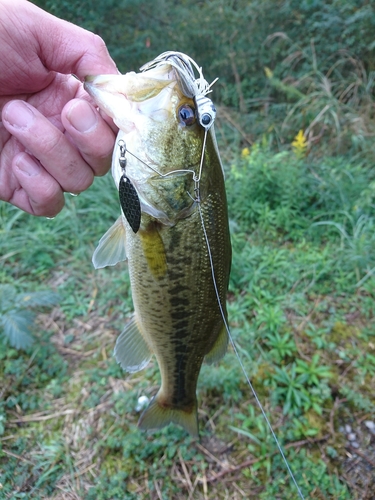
290	390
270	318
17	314
295	386
313	372
282	346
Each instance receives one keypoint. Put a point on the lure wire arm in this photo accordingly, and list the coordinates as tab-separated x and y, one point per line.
196	178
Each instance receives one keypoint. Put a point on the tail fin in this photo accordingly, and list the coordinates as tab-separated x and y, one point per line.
156	416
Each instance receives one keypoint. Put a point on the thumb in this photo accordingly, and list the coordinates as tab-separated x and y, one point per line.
66	48
69	49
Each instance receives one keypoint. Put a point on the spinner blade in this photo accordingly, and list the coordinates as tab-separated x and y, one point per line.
130	203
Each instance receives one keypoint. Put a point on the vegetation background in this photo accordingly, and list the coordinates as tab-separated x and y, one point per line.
296	130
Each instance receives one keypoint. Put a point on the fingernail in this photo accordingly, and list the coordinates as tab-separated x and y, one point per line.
28	165
19	114
82	117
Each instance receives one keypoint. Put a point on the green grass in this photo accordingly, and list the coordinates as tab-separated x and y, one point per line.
301	310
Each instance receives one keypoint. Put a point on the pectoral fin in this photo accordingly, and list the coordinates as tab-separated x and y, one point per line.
131	350
111	248
219	348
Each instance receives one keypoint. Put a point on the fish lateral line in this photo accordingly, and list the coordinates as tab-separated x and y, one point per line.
226	326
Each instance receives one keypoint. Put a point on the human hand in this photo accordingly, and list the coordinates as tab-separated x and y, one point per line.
52	138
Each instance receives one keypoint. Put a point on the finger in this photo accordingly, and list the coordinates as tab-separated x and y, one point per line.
49	145
90	133
67	48
40	193
81	93
38	44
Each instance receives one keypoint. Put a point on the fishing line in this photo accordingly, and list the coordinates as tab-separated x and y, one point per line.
197	179
240	361
206	112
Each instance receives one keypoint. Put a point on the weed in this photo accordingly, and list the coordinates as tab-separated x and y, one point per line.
313	372
299	145
16	315
356	244
281	346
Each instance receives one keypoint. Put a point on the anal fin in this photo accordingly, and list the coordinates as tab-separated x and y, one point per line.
219	348
131	350
111	247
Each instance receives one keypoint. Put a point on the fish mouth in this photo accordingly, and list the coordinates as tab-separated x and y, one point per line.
97	81
88	83
107	77
89	79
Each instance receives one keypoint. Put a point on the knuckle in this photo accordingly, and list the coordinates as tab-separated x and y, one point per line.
84	183
51	199
52	144
99	43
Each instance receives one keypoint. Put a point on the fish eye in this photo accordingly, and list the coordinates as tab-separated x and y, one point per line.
206	119
186	114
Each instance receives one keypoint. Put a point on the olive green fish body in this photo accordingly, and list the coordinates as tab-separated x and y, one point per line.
174	297
177	317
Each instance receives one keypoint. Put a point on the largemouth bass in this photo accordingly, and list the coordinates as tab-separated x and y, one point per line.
173	228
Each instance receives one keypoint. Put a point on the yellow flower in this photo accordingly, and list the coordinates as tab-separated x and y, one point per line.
245	152
268	72
299	145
